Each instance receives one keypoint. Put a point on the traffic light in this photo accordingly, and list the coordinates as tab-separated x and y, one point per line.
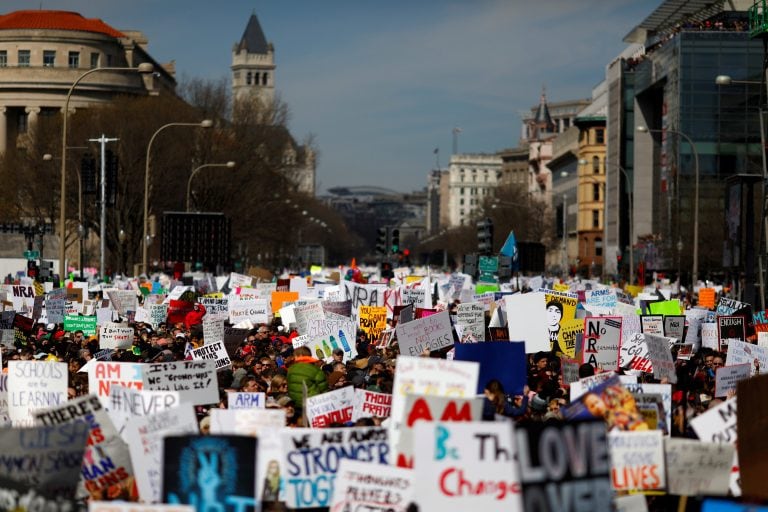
381	240
88	175
46	270
395	240
485	236
32	270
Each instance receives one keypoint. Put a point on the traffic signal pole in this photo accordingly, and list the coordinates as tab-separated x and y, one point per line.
103	231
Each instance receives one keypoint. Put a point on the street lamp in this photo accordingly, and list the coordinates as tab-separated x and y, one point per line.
143	68
206	123
228	165
695	269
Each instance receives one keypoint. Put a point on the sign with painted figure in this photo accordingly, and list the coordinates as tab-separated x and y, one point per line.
602	338
373	487
311	460
564	466
609	401
433	332
561	309
637	460
213	472
432	408
144	435
466	466
330	407
32	386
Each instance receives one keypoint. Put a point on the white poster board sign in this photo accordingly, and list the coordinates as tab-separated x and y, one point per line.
196	381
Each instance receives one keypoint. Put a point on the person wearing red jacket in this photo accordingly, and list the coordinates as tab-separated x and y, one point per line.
194	317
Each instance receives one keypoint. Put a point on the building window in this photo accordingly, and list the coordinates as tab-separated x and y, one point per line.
595	191
248	78
109	61
596	165
23	122
461	191
3	59
74	59
23	58
595	218
49	58
264	78
598	246
461	202
600	136
94	60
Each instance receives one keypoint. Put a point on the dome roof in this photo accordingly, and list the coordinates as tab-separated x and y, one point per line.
55	20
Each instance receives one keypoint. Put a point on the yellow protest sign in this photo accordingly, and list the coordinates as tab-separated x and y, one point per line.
561	307
373	320
562	287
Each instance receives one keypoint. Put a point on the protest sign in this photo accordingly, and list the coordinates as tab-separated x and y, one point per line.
312	456
728	377
195	467
125	403
645	388
730	328
372	320
22	296
265	424
306	312
727	306
245	400
114	506
585	384
602	338
158	313
213	330
115	336
363	295
215	309
609	401
87	324
144	435
604	298
674	326
343	308
123	301
215	352
652	324
433	332
330	407
560	312
527	321
48	458
196	381
54	305
103	374
366	486
560	473
660	355
466	466
337	332
432	408
233	337
433	377
718	425
696	468
370	404
34	385
637	460
502	360
249	308
740	352
471	316
415	296
752	446
709	336
707	298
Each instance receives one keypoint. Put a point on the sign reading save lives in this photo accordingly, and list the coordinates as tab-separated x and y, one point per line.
432	332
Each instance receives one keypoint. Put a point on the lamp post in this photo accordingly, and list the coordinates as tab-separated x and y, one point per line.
143	68
695	269
206	123
228	165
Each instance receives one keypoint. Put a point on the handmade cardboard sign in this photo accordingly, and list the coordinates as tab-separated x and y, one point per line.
369	404
244	400
330	407
367	486
697	468
728	377
527	321
466	466
602	338
115	336
214	352
560	473
312	456
373	320
196	381
637	460
433	332
32	386
471	316
103	374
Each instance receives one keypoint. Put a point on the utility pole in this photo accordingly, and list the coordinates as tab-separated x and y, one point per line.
103	232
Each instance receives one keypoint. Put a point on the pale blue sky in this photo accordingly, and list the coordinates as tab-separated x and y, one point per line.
382	84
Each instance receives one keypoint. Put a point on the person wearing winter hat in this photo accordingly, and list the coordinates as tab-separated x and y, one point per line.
337	380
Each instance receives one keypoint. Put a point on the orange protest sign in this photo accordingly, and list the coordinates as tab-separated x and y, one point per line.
279	298
707	298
